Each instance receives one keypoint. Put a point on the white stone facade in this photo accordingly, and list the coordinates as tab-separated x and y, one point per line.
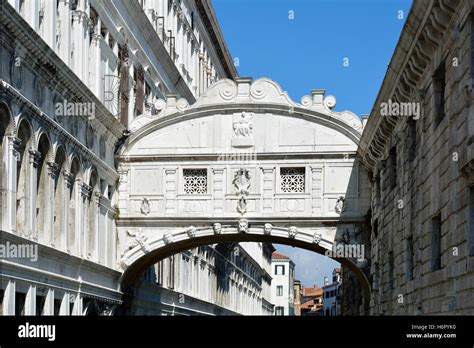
283	273
224	279
63	111
123	145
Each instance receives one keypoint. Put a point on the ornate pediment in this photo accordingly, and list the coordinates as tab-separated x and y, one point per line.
246	91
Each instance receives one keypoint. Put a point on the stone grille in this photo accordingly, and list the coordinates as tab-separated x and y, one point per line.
195	181
292	179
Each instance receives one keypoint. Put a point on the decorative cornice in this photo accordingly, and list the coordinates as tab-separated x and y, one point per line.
424	28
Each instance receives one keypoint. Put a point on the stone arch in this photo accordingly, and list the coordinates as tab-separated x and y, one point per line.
42	186
144	250
23	171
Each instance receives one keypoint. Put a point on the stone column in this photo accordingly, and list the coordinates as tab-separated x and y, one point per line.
53	170
49	23
268	190
85	192
316	191
170	190
79	19
219	201
30	301
102	239
95	69
64	233
9	298
9	196
30	225
64	29
65	308
78	304
96	202
111	251
49	303
32	13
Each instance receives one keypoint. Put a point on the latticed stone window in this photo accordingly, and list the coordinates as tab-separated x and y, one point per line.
195	181
292	179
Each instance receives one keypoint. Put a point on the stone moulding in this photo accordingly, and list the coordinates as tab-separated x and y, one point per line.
137	244
429	21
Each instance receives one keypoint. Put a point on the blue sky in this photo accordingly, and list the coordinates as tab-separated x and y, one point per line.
308	52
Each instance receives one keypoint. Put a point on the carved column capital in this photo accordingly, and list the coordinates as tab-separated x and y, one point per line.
53	169
35	157
85	190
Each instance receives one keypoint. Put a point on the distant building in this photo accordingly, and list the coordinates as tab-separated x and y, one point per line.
297	292
283	284
331	294
312	301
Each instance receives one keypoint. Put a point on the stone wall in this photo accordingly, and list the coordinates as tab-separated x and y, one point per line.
420	261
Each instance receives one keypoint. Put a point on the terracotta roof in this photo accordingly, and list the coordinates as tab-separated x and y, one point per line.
308	292
311	305
279	256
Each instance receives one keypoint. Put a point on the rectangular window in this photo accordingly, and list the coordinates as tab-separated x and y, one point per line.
439	85
195	181
436	243
280	270
391	277
279	311
470	238
292	179
280	290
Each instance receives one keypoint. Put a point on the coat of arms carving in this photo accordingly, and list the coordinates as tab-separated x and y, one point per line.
243	128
